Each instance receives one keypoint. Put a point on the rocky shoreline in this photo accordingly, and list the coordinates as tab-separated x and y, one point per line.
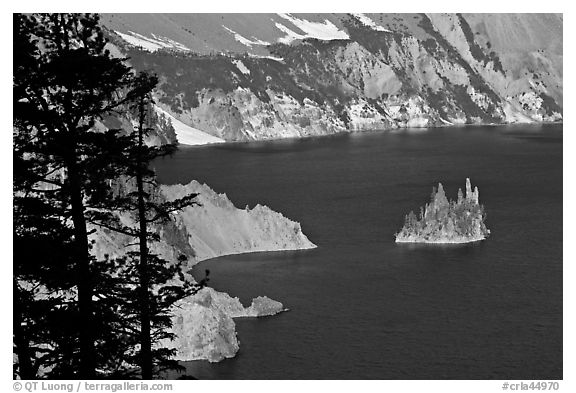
203	323
461	240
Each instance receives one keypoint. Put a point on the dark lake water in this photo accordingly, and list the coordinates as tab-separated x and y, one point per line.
364	307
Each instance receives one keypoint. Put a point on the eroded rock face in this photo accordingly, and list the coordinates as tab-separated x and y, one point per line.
217	227
444	221
263	306
203	330
204	326
203	323
417	71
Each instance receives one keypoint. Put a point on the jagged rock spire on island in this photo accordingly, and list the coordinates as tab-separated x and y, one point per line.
444	221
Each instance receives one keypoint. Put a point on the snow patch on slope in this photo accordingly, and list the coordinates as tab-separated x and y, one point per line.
279	59
151	44
189	135
144	43
290	35
243	69
245	41
322	31
170	43
365	19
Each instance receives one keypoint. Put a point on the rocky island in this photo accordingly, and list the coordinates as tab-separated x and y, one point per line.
445	221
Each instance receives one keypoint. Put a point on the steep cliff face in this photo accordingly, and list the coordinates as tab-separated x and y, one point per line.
302	75
216	227
212	228
203	323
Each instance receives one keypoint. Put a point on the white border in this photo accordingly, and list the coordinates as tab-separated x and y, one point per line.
568	385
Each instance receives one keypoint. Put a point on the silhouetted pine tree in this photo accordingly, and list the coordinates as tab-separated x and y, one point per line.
43	270
75	315
154	294
64	81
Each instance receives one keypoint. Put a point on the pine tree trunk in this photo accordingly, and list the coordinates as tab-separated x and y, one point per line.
145	340
25	369
84	282
143	271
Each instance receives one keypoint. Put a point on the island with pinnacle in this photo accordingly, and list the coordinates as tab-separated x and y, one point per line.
446	221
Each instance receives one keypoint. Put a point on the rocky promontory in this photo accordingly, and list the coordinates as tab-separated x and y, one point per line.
203	324
447	221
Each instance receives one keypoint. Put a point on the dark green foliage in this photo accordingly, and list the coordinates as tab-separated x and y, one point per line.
377	42
480	86
307	72
426	24
313	70
475	80
377	106
187	74
461	99
497	63
476	50
431	46
468	106
437	101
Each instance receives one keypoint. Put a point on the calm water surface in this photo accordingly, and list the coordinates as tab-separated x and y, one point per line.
363	307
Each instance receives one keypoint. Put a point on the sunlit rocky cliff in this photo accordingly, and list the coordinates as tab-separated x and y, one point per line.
203	323
241	77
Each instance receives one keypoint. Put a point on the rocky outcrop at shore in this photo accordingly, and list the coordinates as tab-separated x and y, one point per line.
203	323
204	327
